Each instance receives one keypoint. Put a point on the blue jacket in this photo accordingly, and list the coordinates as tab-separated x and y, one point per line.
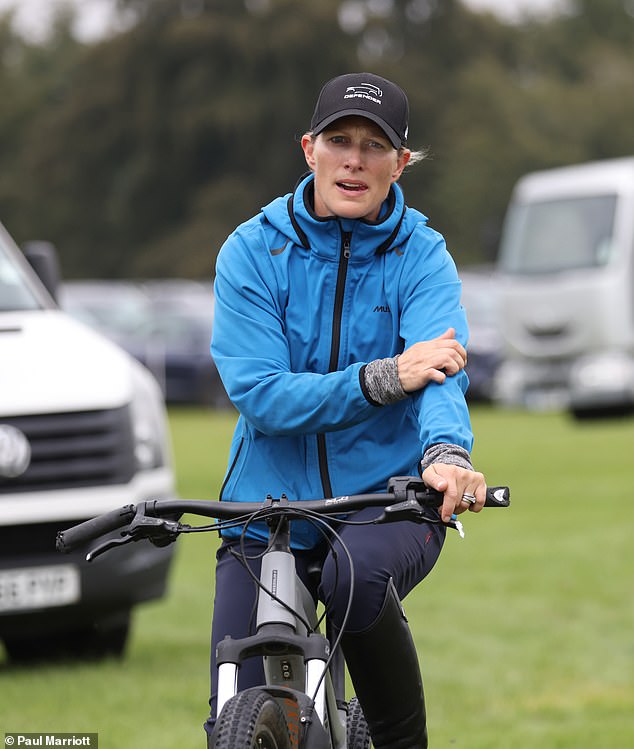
302	303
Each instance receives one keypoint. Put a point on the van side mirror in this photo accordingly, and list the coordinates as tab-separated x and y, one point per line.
44	260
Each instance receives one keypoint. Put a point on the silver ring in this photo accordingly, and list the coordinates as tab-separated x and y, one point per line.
469	498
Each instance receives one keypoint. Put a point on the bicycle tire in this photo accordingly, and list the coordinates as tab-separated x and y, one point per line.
252	720
357	732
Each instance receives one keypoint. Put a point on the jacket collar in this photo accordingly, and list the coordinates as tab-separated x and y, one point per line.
323	235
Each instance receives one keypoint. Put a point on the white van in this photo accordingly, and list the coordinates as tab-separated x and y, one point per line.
83	430
566	283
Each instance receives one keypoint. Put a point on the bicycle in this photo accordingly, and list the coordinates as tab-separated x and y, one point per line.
302	704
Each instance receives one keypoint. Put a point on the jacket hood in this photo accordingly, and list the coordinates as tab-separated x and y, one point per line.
294	217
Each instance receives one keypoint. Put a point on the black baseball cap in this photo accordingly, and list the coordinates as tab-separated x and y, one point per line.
366	95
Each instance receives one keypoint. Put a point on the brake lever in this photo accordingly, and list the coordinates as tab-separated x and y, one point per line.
159	531
409	509
111	543
412	510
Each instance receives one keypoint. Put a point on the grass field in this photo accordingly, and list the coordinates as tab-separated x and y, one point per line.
524	629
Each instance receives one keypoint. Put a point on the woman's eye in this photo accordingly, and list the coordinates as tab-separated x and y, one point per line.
375	144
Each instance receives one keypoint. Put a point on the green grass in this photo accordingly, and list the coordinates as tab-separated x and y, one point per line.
524	629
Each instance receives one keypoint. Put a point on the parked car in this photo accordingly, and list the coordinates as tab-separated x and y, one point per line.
177	337
117	309
164	324
480	299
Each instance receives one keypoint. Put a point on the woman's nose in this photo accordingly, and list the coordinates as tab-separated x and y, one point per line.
353	159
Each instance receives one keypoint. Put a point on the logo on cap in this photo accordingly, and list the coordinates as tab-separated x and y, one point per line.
364	91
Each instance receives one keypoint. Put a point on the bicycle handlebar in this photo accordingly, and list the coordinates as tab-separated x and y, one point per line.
77	536
405	494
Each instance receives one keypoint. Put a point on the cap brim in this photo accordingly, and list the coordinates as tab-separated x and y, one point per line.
392	135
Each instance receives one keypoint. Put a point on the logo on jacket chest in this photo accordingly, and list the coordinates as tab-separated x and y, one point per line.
382	308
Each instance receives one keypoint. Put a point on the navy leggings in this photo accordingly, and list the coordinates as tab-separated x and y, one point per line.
403	551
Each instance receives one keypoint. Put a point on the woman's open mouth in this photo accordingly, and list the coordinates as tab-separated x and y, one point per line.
352	186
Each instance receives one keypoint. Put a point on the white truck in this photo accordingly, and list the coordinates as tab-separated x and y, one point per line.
566	285
83	430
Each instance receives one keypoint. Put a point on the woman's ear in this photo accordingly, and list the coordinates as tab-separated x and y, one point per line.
404	155
308	146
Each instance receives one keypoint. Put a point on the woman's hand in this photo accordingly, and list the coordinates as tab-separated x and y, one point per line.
429	361
463	489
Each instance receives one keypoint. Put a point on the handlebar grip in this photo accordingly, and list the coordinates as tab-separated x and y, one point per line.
78	535
498	496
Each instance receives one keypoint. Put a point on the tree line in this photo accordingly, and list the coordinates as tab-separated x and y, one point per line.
137	154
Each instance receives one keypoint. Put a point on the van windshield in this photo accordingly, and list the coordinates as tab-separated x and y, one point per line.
558	235
15	290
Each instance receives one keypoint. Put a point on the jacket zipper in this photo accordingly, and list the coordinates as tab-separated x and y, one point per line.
335	345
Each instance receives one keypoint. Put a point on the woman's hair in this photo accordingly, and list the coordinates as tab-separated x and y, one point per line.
415	157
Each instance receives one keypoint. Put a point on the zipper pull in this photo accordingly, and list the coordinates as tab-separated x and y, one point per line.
346	245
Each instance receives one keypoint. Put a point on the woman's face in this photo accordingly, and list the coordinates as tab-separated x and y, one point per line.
354	165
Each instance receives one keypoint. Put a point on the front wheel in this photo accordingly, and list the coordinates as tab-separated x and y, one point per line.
357	733
252	720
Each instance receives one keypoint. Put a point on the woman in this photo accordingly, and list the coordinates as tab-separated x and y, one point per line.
339	336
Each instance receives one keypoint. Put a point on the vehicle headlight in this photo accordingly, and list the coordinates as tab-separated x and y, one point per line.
149	422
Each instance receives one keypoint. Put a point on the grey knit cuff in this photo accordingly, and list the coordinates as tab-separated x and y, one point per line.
445	452
382	383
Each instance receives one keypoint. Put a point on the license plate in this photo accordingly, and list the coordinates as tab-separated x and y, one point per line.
39	587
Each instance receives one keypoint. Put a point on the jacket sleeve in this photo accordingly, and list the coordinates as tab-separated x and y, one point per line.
430	304
251	353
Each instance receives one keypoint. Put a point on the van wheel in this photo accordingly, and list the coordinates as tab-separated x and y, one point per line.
102	638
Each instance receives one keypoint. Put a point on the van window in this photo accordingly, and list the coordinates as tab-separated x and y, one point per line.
15	291
557	235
